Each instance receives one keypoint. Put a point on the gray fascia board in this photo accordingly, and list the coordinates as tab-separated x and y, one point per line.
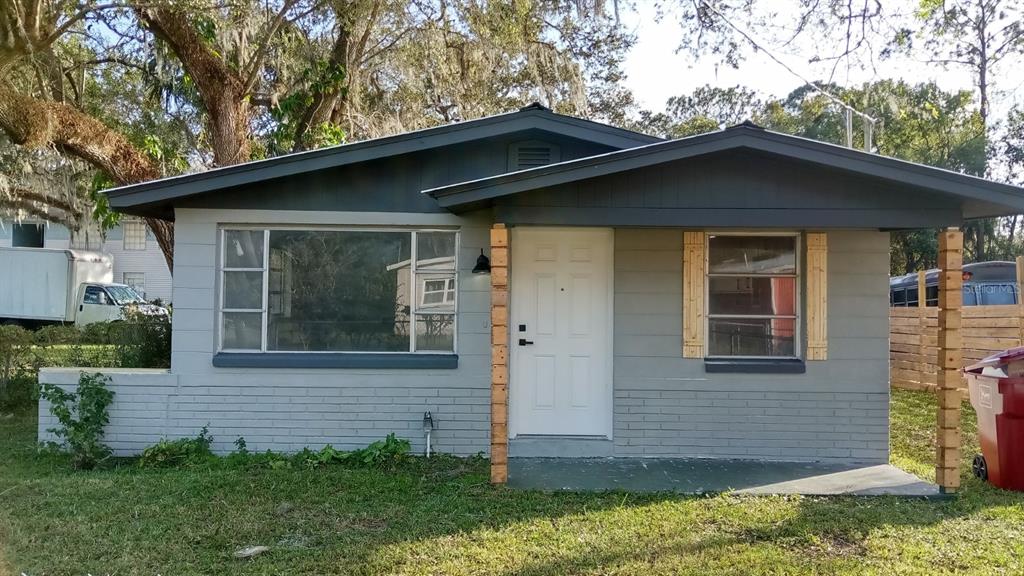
251	172
937	179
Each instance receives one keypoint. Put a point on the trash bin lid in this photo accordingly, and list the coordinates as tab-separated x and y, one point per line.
998	359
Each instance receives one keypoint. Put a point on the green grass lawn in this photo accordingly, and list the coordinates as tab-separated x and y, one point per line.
442	517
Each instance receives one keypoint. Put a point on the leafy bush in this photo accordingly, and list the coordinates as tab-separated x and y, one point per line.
390	450
82	415
141	341
180	452
16	364
386	452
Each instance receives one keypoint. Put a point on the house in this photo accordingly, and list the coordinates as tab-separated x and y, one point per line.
723	295
138	261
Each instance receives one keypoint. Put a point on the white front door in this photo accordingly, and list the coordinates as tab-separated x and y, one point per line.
561	331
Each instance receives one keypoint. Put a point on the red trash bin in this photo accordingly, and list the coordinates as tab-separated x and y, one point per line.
996	386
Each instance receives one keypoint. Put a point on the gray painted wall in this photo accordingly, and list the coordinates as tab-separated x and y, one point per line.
288	409
666	405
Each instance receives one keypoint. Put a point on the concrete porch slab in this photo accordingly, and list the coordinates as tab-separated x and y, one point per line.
702	476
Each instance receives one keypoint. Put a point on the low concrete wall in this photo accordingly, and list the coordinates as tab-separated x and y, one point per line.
142	412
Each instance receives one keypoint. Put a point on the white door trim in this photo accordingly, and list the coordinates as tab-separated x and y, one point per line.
516	265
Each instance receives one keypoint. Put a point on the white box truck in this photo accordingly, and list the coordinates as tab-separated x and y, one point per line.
47	286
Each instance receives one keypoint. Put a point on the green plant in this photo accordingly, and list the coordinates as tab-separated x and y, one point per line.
181	452
141	341
390	450
82	415
16	368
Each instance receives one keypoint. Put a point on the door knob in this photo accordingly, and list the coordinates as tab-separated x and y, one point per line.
525	342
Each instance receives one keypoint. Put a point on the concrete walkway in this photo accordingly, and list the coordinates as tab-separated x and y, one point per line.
700	476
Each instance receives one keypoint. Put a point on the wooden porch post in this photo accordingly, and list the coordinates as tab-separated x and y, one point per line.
950	360
499	354
922	326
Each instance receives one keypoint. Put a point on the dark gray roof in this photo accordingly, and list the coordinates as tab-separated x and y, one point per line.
532	117
981	197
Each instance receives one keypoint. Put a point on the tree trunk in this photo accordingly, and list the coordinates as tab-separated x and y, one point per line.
34	123
325	102
221	88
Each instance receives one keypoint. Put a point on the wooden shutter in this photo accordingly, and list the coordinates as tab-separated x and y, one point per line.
817	296
693	294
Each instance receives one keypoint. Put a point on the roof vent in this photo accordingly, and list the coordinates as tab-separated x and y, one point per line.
531	154
748	124
535	106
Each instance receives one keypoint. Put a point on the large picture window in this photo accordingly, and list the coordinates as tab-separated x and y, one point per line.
753	291
286	290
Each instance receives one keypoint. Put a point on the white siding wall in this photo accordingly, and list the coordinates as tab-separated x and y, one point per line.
149	261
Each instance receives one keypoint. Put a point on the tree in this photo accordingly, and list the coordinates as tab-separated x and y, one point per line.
708	108
916	122
234	81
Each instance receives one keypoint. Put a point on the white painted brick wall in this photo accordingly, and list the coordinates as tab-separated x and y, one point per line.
150	405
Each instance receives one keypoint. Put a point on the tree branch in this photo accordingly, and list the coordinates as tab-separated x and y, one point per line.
250	72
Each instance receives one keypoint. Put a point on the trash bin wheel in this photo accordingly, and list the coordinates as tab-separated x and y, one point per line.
980	467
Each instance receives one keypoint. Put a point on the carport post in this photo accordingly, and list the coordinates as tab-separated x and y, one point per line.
499	354
950	360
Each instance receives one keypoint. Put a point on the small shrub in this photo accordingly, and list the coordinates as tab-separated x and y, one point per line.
326	455
141	341
16	366
177	453
390	450
82	416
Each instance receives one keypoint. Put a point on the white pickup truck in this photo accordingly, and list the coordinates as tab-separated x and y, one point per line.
46	286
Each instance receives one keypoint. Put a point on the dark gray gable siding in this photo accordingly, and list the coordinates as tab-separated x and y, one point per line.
977	197
390	184
156	197
733	188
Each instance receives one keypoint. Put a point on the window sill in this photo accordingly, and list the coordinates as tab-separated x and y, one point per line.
754	366
335	360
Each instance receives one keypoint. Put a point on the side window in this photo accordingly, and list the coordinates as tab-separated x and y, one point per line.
134	235
899	297
28	235
931	295
95	295
751	285
137	280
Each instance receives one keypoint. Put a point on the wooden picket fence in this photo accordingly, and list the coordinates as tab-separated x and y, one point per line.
914	340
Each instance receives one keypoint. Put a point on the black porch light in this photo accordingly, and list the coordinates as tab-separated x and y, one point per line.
483	264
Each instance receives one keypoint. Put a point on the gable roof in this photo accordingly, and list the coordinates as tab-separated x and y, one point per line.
981	197
532	117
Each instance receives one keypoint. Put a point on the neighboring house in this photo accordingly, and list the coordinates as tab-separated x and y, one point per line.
138	260
723	295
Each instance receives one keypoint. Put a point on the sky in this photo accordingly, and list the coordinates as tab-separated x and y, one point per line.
655	72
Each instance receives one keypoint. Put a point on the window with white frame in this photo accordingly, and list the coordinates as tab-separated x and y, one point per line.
338	290
137	280
753	296
134	235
